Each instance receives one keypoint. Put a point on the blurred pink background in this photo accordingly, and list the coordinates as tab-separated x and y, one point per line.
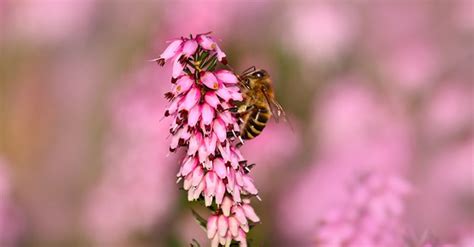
372	89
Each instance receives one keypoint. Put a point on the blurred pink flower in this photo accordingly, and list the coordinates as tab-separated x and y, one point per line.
49	20
353	121
449	109
127	199
445	192
370	216
11	225
213	168
357	132
319	31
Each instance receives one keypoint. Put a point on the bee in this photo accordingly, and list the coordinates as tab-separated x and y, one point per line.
258	104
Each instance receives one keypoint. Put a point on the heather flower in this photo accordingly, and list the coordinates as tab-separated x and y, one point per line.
370	217
213	169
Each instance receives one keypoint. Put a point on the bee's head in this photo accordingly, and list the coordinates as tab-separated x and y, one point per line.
256	78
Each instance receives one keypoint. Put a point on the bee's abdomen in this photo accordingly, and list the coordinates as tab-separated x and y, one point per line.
255	123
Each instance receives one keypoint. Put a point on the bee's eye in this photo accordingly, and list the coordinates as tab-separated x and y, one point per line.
258	74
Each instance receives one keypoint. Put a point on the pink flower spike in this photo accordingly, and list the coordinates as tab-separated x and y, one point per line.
189	164
190	47
212	99
220	168
211	226
222	225
220	191
250	213
194	115
183	84
227	204
230	180
191	99
208	79
220	129
211	143
239	178
226	76
172	50
207	114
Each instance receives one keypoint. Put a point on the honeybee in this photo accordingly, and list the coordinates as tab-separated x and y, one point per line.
258	104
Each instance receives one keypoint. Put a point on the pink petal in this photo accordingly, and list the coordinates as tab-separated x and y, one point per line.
220	168
191	99
177	67
208	79
207	199
198	174
175	141
220	54
230	179
223	93
215	241
207	114
220	129
189	47
234	161
239	178
206	42
236	194
211	226
194	143
211	142
183	84
226	76
227	204
199	189
194	115
211	182
225	151
174	106
233	226
220	191
188	181
212	99
226	116
242	238
222	225
249	186
250	213
202	153
239	214
172	50
189	164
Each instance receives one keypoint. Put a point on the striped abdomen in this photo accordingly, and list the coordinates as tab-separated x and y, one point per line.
254	123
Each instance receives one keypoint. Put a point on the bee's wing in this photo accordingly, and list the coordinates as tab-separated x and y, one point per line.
276	108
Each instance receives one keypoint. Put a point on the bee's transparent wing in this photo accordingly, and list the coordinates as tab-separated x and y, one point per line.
276	109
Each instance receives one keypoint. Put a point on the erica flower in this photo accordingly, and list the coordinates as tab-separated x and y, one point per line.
213	169
371	216
181	49
232	223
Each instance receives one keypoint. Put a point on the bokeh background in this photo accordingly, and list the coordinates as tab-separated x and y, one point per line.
382	88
